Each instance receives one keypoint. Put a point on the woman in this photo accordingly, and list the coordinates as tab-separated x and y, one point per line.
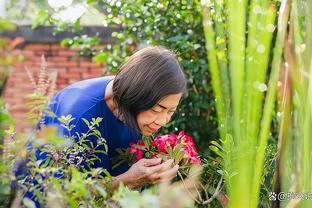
138	101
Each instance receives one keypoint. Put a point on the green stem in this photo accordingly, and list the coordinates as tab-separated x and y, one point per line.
214	67
271	94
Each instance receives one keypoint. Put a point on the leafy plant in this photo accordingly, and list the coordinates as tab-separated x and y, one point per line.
244	118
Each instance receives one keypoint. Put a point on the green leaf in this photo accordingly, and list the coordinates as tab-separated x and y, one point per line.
86	121
101	58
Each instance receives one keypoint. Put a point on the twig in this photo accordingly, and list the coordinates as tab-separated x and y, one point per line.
190	194
217	191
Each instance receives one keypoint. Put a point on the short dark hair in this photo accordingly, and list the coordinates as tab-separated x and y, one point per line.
149	75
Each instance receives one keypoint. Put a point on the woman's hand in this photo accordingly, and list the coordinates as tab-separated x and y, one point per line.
148	171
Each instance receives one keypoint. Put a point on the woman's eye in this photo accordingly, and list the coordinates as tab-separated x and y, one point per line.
156	111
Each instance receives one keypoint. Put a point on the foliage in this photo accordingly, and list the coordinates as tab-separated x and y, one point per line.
5	164
5	58
6	193
246	106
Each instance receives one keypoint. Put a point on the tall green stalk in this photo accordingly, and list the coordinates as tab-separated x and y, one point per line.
271	94
236	54
214	67
244	137
245	134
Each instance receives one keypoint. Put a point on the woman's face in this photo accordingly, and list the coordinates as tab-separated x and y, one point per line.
150	121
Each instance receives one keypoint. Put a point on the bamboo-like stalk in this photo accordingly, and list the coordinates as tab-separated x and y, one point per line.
219	18
213	66
244	147
237	32
271	94
236	53
239	146
255	109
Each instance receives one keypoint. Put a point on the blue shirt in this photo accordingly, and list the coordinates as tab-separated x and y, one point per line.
85	99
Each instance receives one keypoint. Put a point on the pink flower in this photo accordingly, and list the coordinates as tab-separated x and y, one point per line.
139	155
186	138
194	160
190	151
161	142
191	154
135	148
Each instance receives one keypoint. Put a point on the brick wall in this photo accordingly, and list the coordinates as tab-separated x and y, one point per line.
70	69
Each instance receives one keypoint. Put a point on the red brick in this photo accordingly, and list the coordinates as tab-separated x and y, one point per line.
10	100
89	76
98	70
20	71
62	86
35	58
71	81
53	64
84	59
28	53
10	82
58	58
88	64
36	47
16	52
67	53
28	64
78	70
59	70
68	64
71	76
70	67
62	80
56	47
25	53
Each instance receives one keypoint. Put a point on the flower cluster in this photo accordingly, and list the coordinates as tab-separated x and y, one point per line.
180	147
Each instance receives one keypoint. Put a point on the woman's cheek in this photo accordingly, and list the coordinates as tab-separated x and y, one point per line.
146	118
150	117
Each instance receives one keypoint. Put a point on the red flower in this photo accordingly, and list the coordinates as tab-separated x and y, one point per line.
135	148
186	138
191	153
161	142
195	160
